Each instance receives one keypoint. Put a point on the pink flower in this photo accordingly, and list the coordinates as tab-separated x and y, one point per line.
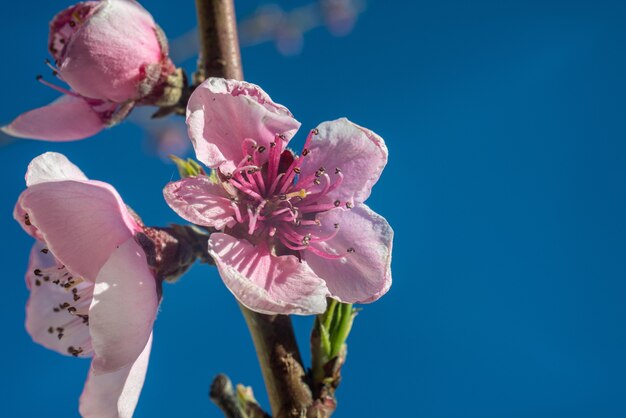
295	228
112	55
92	292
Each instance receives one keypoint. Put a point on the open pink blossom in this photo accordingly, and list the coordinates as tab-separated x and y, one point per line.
112	54
294	228
92	293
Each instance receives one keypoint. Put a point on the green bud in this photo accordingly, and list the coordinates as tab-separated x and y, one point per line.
328	339
189	168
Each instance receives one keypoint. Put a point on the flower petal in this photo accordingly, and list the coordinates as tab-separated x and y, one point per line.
52	166
66	119
81	221
115	394
267	283
56	316
221	114
108	55
359	153
200	201
124	306
364	274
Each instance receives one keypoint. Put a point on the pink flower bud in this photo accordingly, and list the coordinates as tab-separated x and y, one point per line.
109	50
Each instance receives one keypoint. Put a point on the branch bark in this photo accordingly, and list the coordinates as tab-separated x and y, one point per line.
281	364
219	45
273	336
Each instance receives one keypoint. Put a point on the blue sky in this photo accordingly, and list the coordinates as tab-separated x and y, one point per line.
505	186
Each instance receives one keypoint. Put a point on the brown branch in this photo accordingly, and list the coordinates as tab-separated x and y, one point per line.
272	335
280	362
219	44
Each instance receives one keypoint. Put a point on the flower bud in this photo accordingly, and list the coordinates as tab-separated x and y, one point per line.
110	50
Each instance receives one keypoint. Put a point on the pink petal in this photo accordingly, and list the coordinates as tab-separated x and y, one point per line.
360	154
267	283
54	315
363	275
200	201
66	119
107	56
81	221
222	113
115	394
125	302
52	166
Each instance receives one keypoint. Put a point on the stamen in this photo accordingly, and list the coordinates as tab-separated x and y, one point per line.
247	190
55	70
290	174
275	183
237	212
57	88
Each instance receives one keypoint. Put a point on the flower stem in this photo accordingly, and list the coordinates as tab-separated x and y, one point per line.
273	335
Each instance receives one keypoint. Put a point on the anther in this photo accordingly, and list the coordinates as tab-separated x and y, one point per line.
44	250
261	149
38	77
272	144
305	152
74	351
337	203
37	282
336	226
337	170
283	197
315	131
283	137
349	205
351	250
317	181
50	330
37	272
72	23
27	219
297	170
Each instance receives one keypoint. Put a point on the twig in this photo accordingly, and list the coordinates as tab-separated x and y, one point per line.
219	44
223	395
280	362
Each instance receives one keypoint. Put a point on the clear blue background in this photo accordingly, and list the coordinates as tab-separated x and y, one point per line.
505	122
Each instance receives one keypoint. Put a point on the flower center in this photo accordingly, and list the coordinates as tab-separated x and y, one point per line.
274	201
